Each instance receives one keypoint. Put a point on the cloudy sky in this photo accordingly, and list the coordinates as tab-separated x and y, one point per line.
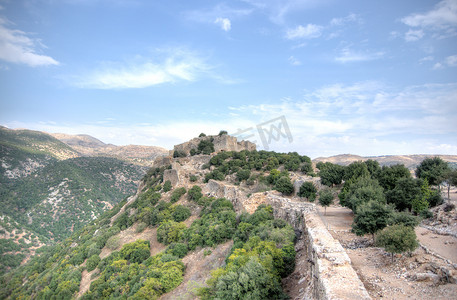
360	77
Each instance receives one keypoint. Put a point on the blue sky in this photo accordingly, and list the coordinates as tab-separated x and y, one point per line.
360	77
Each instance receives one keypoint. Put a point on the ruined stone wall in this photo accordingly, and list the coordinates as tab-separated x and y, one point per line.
221	143
331	275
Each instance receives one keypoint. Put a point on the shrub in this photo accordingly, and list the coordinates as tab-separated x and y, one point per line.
92	262
178	153
195	193
113	242
177	193
141	227
193	178
201	135
169	232
181	213
222	132
166	186
284	185
397	239
243	174
136	252
178	249
308	191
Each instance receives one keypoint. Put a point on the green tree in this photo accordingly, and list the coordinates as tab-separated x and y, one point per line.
389	175
397	239
205	147
194	193
420	203
284	185
371	217
136	252
170	231
331	174
202	135
92	262
405	191
222	132
243	174
181	213
450	178
166	186
355	170
432	169
177	194
325	198
308	191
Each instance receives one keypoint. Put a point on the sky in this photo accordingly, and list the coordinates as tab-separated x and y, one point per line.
361	77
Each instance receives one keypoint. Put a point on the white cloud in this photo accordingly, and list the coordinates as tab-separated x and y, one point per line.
442	16
17	47
176	65
427	58
277	10
414	35
348	55
442	19
308	32
348	19
220	14
224	23
294	61
451	60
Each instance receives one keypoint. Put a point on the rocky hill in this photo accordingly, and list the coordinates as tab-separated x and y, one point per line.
217	219
410	161
87	145
49	189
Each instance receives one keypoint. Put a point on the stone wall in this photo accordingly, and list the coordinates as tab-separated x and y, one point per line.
331	275
221	143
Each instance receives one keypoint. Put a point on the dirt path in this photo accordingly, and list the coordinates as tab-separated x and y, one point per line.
444	245
384	279
198	270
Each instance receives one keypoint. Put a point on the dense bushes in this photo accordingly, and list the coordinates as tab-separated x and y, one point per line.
263	253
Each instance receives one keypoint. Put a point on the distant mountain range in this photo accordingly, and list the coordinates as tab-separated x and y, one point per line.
87	145
410	161
53	184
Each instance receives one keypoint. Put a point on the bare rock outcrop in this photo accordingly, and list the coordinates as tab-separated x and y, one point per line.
172	176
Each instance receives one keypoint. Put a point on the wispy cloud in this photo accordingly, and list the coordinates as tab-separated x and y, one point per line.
17	47
441	20
351	18
294	61
277	10
413	35
225	23
451	61
334	28
348	55
167	66
220	14
309	31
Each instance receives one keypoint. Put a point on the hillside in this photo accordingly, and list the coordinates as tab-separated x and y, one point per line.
170	235
87	145
410	161
219	220
48	189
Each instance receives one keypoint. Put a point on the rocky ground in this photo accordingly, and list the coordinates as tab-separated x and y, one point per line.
430	272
